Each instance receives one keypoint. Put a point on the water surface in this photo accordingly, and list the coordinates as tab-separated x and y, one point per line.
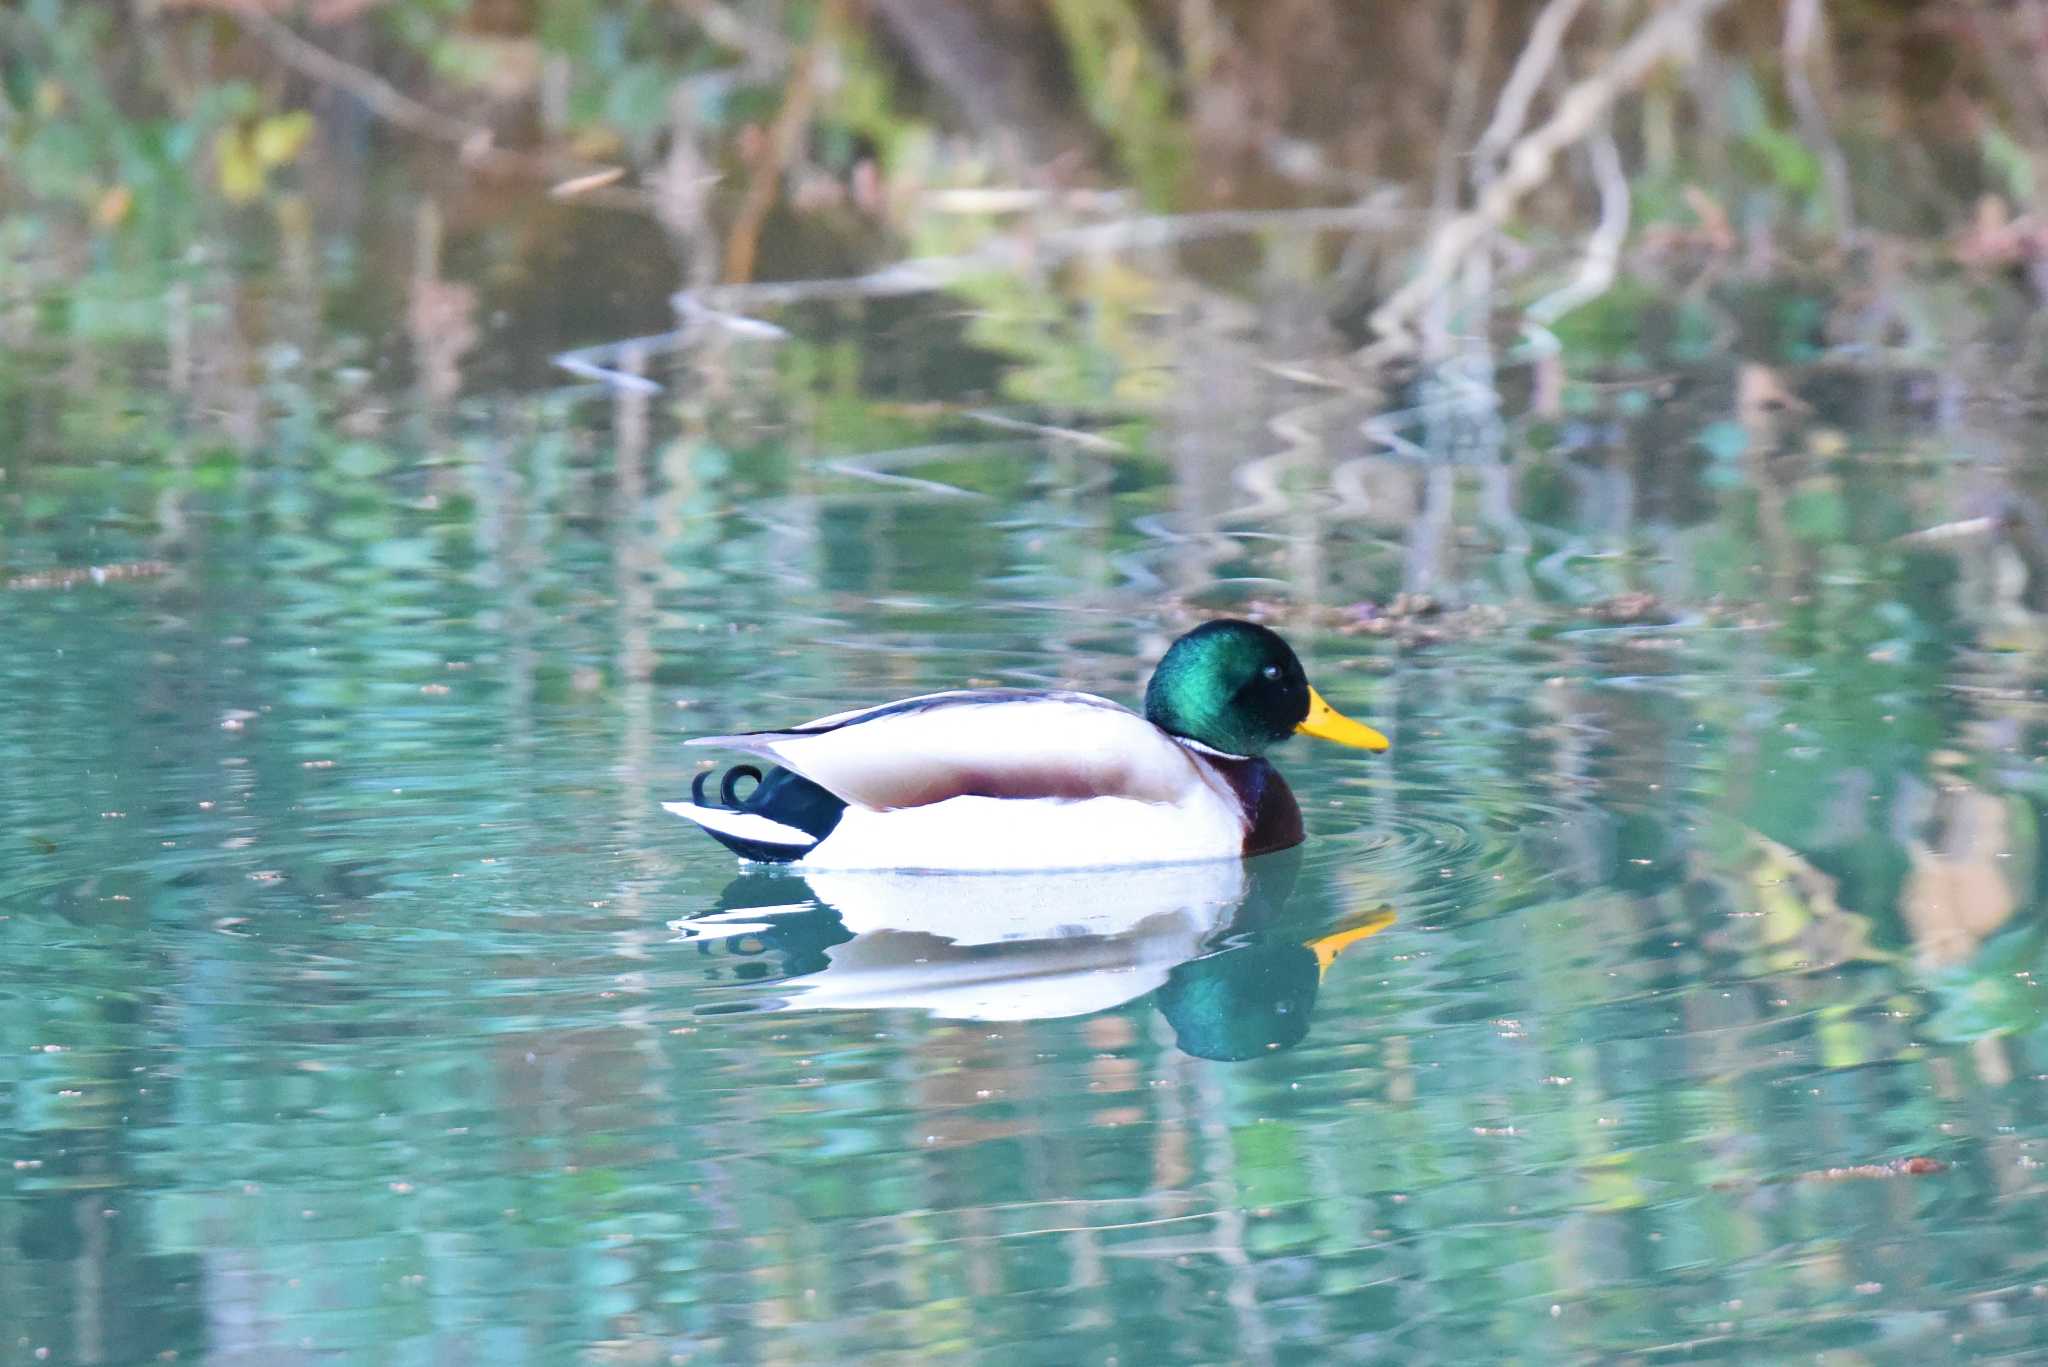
1669	990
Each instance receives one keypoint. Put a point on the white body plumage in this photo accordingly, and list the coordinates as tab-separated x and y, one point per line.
995	780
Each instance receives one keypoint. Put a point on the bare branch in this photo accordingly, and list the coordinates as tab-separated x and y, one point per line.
1603	249
1529	162
1511	111
386	101
785	138
1803	25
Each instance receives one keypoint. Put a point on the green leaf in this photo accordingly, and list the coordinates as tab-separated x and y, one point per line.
279	138
236	169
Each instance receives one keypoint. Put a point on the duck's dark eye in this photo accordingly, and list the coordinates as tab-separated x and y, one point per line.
1271	671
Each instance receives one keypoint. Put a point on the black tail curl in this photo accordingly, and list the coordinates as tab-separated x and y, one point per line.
780	795
728	787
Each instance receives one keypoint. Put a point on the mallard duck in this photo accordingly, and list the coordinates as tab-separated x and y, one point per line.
1011	778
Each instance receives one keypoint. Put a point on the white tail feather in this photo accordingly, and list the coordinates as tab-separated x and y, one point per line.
742	825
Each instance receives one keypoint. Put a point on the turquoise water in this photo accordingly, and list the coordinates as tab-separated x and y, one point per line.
1669	991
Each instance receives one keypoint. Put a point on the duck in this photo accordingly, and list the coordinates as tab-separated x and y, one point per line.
1012	779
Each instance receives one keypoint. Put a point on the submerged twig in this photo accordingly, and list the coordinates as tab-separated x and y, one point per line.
598	363
728	306
1087	441
922	275
871	467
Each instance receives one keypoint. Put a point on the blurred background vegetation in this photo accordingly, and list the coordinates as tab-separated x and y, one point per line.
804	138
1447	212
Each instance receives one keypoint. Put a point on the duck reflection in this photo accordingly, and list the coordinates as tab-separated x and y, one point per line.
1234	974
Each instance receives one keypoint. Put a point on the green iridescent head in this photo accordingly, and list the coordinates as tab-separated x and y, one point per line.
1237	687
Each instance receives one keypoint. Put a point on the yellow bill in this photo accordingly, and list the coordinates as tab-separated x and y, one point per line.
1325	722
1326	948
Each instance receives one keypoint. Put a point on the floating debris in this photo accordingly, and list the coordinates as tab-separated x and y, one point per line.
1918	1165
72	577
1409	619
1635	608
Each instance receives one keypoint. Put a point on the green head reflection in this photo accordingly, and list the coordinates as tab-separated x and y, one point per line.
1255	998
1216	948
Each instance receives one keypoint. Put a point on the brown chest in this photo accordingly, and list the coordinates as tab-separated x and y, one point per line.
1272	817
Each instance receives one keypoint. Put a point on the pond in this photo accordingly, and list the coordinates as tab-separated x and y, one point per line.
1669	989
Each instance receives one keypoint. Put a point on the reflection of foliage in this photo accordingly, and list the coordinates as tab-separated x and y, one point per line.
1999	992
488	1082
